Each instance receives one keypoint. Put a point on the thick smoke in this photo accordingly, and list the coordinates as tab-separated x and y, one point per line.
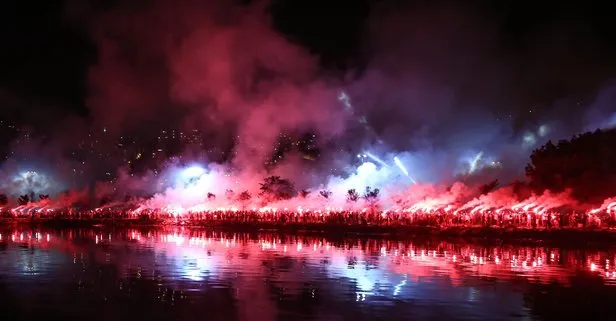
601	112
443	99
446	91
216	67
38	165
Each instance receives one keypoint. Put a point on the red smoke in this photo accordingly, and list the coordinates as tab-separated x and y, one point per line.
209	65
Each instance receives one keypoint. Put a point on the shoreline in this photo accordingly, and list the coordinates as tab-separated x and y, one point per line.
474	234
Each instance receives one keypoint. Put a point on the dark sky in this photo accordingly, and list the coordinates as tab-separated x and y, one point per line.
45	54
44	57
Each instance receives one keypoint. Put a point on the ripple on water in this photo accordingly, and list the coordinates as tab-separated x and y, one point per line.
190	275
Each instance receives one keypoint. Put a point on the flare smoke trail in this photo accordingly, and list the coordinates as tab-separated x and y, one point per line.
403	169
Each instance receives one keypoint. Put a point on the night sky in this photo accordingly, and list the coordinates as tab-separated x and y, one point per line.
46	51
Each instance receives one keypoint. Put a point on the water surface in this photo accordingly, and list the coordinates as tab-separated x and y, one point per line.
183	274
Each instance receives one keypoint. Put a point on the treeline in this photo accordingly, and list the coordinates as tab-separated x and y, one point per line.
586	164
275	189
24	199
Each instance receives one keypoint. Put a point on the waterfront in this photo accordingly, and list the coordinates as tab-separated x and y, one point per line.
184	274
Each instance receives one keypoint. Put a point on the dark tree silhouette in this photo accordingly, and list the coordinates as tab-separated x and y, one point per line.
211	196
371	195
23	199
275	188
3	200
43	197
586	163
325	193
488	187
352	195
244	198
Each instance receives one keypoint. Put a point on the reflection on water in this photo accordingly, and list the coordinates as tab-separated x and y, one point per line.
198	275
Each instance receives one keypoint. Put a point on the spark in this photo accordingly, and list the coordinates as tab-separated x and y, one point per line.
475	162
376	159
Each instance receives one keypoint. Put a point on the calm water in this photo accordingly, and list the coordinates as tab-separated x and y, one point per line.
199	275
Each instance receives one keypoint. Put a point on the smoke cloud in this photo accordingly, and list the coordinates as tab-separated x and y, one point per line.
439	91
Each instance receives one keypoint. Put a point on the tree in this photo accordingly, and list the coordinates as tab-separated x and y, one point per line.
586	163
43	197
244	196
488	187
211	197
4	200
352	195
325	193
275	188
23	199
371	195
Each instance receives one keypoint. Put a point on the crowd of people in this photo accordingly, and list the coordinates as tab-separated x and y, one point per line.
392	218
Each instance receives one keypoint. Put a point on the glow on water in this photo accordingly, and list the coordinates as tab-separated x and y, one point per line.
258	272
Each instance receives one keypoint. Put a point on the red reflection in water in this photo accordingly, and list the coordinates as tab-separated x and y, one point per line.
366	261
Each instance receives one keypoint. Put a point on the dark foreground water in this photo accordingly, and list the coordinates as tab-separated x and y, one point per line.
199	275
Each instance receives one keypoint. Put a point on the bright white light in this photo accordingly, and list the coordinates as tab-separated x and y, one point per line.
190	176
475	162
376	159
194	171
529	140
403	169
366	169
398	287
31	181
25	174
399	164
543	130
